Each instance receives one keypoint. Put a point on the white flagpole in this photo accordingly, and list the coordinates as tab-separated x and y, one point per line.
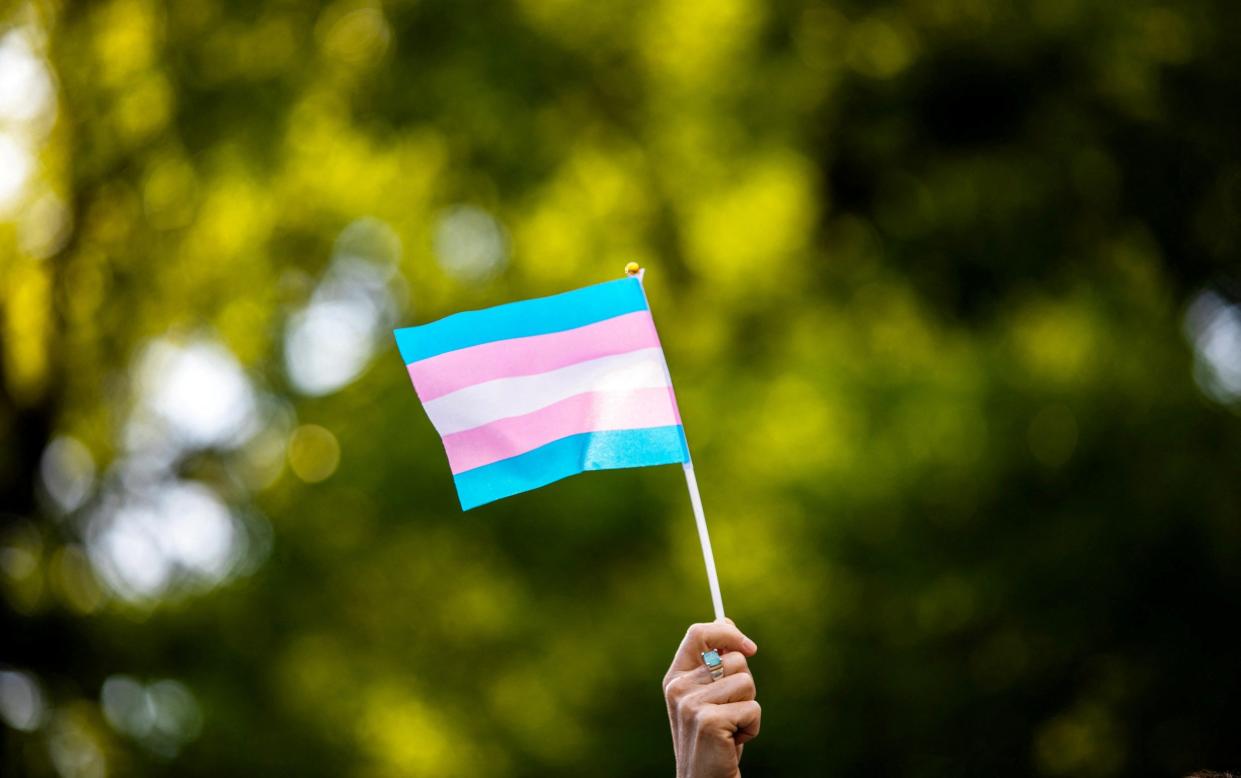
695	499
708	558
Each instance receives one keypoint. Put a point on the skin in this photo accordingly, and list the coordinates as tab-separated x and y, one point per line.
711	720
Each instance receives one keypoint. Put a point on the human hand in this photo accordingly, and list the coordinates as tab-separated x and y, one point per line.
711	720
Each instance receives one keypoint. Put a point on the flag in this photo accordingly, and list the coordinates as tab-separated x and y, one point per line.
530	392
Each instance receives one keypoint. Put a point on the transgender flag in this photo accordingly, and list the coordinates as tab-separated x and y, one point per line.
528	393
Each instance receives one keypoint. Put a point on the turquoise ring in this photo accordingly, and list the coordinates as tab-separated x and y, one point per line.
714	664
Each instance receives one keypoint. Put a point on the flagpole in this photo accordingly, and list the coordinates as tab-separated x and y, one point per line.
708	558
695	499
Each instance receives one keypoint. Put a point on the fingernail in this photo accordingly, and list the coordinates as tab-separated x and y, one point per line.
748	645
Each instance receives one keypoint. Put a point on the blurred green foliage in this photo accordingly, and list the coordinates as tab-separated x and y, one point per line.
922	271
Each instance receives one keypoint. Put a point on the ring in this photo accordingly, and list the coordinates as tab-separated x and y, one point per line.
714	664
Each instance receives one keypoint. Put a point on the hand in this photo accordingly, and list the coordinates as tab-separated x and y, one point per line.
711	720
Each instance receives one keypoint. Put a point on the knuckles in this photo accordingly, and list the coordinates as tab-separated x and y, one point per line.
695	631
758	713
679	687
748	688
735	662
704	717
686	711
699	631
676	687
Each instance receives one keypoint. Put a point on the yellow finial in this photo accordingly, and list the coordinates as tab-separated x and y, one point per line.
632	269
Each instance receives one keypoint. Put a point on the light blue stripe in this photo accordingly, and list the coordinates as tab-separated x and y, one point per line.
521	319
568	456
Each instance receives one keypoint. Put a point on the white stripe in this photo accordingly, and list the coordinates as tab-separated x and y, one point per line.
491	401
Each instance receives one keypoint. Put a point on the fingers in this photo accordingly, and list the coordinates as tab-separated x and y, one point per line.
749	717
714	718
734	663
720	635
685	680
697	708
678	685
730	688
741	720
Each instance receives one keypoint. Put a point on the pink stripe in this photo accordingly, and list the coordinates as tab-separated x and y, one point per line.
446	373
588	412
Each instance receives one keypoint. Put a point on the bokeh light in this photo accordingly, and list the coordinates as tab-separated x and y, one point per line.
22	704
26	89
1214	328
28	109
44	227
177	534
330	342
74	745
469	243
16	168
314	453
67	470
163	715
194	394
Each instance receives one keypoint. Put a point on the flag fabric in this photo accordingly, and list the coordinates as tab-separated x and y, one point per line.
530	392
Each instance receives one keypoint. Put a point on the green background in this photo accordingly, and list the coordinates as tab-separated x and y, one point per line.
942	284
